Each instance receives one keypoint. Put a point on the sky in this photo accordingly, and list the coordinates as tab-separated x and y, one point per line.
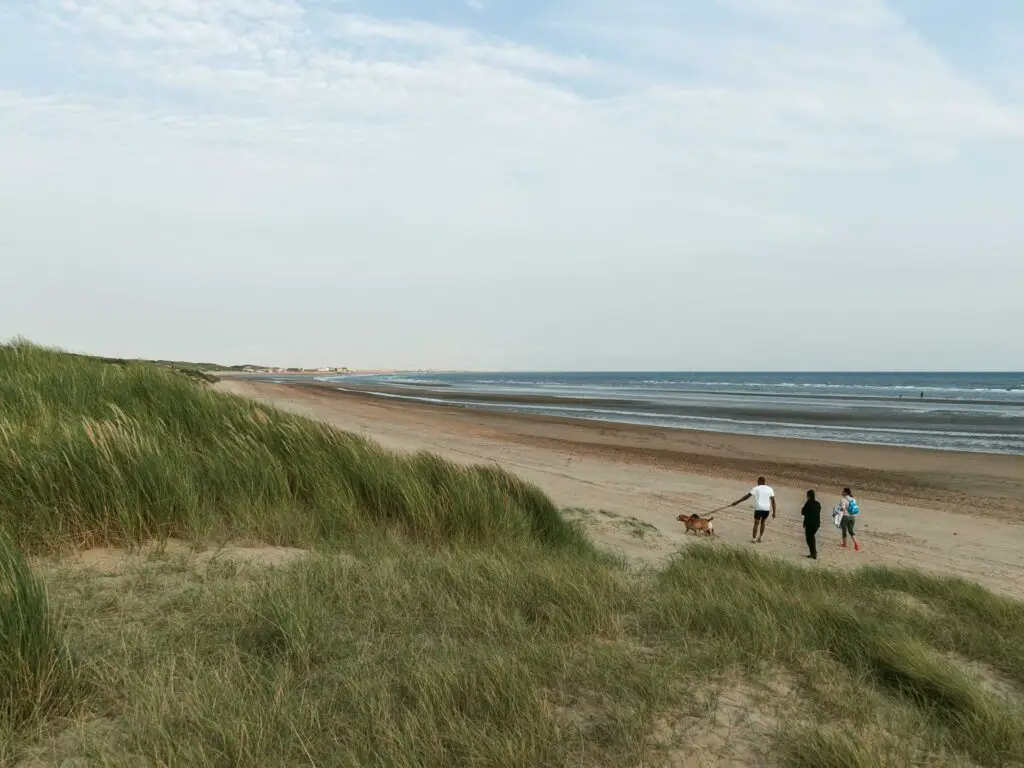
516	185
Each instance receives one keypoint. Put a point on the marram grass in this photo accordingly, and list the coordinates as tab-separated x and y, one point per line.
95	453
35	667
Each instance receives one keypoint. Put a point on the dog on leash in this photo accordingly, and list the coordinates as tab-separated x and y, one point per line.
698	524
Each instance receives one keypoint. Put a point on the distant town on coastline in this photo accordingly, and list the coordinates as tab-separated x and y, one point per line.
326	369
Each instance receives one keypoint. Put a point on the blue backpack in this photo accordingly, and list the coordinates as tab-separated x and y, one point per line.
851	507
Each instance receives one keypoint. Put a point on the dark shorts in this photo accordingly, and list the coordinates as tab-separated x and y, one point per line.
761	514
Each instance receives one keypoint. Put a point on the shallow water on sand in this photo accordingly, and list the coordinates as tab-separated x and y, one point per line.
978	412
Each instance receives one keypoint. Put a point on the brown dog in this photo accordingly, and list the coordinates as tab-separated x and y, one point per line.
697	524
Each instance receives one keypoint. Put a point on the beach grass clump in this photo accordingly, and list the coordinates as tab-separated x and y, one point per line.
942	650
94	452
35	668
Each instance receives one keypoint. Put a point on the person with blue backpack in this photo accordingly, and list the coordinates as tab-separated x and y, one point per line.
850	511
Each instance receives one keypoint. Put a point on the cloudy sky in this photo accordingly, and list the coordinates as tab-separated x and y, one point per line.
510	184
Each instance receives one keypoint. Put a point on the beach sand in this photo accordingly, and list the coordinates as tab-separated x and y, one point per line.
954	513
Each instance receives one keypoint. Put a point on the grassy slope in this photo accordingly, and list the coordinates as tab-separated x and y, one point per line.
448	616
96	453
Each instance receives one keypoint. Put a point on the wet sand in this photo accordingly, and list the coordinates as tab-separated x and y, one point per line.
959	513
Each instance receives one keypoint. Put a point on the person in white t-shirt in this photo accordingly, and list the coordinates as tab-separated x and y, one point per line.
764	502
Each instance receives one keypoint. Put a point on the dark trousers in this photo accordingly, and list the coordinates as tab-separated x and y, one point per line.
812	545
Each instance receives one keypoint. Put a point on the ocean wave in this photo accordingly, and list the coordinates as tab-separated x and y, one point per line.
937	438
761	385
683	382
586	412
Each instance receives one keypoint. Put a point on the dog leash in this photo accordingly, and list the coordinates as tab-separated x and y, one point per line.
713	511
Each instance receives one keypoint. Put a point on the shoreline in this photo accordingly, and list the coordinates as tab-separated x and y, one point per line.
873	422
990	484
442	389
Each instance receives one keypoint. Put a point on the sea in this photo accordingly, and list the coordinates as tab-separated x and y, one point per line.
975	412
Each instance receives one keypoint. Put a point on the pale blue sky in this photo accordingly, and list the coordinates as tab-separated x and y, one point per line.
576	184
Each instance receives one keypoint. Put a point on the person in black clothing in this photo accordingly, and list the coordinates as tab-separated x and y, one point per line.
812	521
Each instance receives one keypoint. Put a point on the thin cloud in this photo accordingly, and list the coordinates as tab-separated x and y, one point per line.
602	138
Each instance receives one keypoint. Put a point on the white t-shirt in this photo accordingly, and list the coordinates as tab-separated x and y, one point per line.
763	494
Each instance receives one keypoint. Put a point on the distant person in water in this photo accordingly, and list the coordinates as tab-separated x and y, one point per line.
812	522
764	502
851	510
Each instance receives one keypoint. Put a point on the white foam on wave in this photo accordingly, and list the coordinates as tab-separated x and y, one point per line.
979	442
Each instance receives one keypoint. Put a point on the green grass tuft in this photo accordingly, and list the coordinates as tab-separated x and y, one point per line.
35	669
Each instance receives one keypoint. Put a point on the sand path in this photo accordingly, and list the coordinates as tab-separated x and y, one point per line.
632	495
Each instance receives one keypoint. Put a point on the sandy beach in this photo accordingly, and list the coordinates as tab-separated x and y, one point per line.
955	513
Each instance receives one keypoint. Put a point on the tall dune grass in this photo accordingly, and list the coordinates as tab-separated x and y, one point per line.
35	669
92	452
898	633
